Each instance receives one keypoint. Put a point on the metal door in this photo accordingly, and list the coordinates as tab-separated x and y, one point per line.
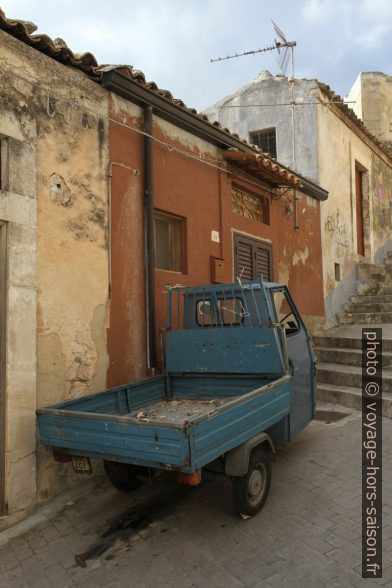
300	357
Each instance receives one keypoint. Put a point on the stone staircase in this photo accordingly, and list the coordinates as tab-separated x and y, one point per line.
339	367
373	302
339	351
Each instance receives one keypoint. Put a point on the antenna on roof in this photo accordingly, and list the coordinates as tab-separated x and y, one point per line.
285	50
282	45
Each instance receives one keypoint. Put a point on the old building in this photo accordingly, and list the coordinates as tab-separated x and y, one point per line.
371	100
111	190
307	127
53	216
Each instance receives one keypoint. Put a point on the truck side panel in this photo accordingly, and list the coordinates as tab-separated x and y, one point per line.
117	401
239	423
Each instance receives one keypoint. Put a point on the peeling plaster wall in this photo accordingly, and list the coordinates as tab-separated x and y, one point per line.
202	196
271	91
340	149
56	208
381	194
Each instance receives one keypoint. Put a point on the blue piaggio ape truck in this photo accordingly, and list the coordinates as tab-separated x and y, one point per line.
239	377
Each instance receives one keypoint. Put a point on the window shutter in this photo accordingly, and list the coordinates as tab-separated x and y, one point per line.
252	258
263	262
244	260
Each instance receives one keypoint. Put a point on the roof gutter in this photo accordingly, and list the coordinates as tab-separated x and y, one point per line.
311	189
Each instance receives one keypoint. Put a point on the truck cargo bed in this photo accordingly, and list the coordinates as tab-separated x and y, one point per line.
136	424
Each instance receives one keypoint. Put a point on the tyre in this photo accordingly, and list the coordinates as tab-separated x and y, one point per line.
123	476
251	491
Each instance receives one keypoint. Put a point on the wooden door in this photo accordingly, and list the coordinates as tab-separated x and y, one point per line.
359	210
252	258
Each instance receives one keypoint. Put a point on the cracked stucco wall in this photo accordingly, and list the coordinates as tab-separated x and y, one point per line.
340	150
55	205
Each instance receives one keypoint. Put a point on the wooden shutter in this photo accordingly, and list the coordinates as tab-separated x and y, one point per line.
252	258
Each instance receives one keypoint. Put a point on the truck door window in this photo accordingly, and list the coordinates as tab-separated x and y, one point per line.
285	313
220	312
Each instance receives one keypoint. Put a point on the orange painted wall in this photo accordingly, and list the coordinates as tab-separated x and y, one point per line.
202	196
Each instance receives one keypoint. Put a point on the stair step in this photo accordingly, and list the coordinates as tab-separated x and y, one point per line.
347	375
380	299
349	397
349	357
364	318
370	288
368	307
334	341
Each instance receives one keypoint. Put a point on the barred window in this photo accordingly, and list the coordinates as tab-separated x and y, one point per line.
266	140
168	237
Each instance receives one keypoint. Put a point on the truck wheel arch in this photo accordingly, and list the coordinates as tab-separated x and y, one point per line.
237	460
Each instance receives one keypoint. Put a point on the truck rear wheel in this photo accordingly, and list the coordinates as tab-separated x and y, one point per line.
123	476
251	491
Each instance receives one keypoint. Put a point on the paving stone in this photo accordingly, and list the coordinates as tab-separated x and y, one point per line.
309	533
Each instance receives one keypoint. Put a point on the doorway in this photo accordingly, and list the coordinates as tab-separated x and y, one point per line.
359	210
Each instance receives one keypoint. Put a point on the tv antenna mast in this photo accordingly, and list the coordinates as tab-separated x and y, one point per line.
284	48
285	51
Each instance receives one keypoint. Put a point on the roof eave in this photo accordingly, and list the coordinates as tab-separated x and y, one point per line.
131	90
128	88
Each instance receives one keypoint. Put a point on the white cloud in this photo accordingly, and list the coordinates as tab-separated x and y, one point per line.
315	11
375	10
373	36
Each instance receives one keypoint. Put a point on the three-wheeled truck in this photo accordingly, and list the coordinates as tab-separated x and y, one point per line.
239	376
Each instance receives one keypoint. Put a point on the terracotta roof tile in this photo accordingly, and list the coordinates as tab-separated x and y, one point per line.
87	63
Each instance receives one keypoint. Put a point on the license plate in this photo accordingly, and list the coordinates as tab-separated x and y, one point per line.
81	464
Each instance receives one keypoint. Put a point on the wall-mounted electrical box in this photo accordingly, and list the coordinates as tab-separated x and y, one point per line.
217	270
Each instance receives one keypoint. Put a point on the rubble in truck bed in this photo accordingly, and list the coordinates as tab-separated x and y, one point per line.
177	410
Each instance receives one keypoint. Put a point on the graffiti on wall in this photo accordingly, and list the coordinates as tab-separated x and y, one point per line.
338	230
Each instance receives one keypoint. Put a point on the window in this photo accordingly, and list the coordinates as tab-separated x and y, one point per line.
266	140
168	237
252	258
220	312
254	207
285	313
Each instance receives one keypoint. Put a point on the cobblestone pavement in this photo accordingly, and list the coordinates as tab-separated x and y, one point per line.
308	534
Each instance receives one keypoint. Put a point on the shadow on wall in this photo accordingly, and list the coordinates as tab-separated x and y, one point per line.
334	300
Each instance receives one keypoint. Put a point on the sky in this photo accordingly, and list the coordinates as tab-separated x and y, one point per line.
172	41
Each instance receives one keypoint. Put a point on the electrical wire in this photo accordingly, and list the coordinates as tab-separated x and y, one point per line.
321	102
222	166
